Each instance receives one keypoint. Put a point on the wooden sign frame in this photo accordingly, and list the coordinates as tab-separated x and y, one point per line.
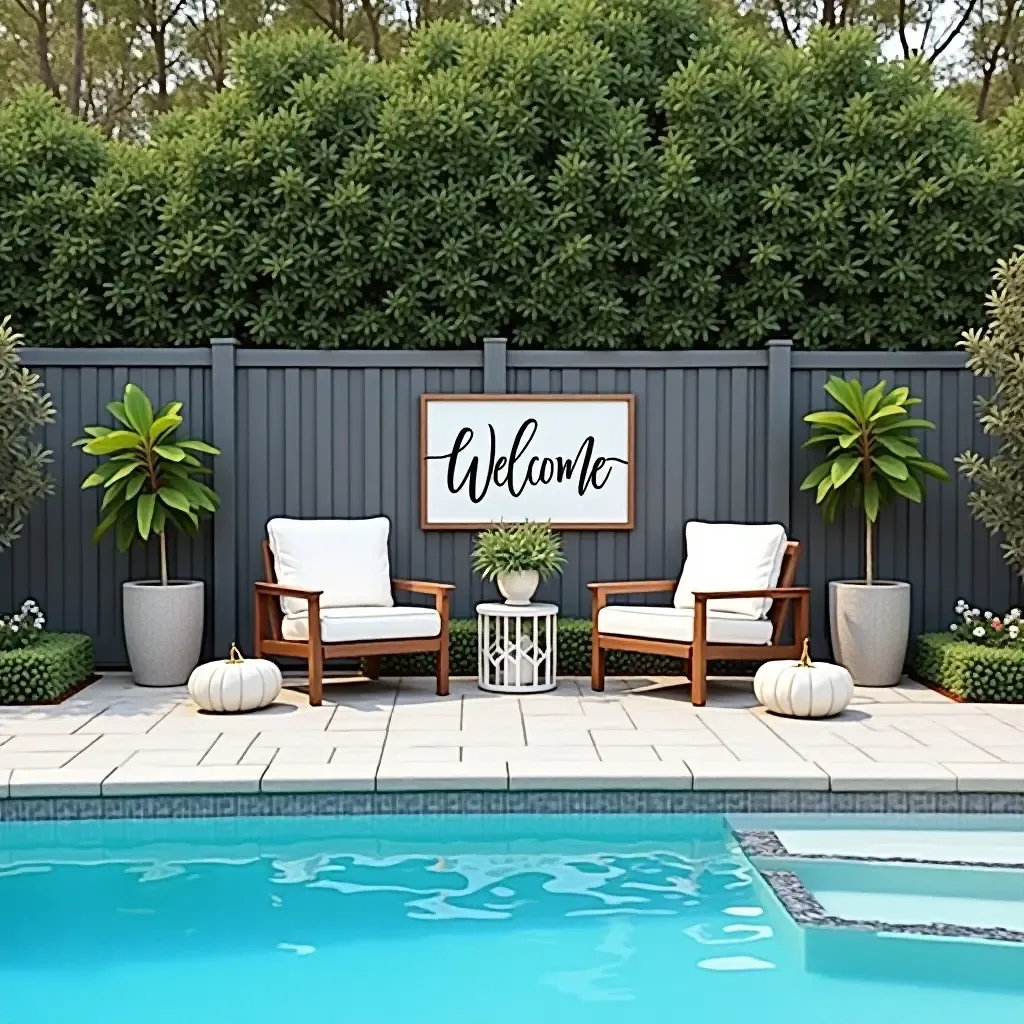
628	399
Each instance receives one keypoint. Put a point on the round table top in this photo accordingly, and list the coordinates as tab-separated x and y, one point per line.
515	610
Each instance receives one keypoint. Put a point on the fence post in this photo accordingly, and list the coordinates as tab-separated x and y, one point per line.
780	429
495	366
225	560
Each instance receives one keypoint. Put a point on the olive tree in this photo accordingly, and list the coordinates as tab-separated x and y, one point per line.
24	407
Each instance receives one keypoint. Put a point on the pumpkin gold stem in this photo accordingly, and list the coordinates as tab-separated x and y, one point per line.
805	657
235	655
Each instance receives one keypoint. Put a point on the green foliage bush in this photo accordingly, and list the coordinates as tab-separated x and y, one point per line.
573	656
594	173
47	670
970	671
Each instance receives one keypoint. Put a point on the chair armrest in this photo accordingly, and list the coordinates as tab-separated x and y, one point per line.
277	590
633	587
774	592
422	587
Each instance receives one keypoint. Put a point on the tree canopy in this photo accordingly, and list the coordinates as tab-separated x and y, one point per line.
590	173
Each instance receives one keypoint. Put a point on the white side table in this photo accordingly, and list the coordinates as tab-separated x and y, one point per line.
518	647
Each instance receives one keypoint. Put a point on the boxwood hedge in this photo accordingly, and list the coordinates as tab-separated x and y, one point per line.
573	656
47	670
970	671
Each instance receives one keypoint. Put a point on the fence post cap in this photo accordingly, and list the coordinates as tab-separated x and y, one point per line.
781	342
223	341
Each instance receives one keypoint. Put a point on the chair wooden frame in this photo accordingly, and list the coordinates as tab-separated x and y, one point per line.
315	653
699	652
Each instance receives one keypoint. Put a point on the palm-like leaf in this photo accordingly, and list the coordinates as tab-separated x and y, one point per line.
149	476
873	457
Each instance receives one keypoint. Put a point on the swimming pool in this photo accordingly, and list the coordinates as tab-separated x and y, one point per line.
449	920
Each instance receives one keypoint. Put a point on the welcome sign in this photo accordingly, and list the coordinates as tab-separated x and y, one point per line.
567	459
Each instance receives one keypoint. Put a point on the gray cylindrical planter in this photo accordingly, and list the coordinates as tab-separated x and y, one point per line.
163	630
870	626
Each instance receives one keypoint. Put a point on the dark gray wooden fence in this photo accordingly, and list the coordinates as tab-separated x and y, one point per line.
718	437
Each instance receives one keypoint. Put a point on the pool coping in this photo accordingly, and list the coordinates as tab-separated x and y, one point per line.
438	802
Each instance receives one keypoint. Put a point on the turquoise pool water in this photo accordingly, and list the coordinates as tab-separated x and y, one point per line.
447	920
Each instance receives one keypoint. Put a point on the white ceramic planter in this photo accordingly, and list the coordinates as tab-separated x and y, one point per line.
870	625
163	630
518	587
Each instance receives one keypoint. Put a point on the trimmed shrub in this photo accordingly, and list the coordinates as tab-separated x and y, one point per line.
970	671
573	656
591	174
47	670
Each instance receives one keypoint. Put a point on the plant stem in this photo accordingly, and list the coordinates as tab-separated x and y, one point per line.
163	557
869	549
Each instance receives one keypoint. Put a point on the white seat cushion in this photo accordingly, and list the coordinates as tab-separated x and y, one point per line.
676	624
345	558
349	625
731	556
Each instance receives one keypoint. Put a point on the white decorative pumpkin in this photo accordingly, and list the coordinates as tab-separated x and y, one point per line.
804	688
238	684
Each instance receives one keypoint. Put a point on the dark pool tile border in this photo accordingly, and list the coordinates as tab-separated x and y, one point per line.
758	843
506	802
802	906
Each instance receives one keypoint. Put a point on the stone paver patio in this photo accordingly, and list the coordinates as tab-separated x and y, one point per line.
115	739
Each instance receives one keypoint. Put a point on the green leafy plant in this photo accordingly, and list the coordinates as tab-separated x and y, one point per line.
521	548
24	407
592	174
872	455
150	476
997	497
45	670
22	629
970	670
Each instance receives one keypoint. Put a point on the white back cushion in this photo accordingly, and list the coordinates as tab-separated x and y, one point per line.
345	558
731	556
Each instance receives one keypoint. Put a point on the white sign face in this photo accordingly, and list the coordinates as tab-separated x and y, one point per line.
488	459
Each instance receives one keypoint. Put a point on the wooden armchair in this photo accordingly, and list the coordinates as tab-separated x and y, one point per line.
302	617
699	633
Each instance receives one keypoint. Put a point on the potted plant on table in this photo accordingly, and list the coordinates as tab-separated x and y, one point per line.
872	457
151	480
518	557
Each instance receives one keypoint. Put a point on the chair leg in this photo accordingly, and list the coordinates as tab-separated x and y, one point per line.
698	680
698	655
371	666
442	668
596	666
315	663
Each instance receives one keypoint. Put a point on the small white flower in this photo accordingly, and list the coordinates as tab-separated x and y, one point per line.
961	606
979	630
1014	632
14	628
975	611
988	615
953	628
1014	613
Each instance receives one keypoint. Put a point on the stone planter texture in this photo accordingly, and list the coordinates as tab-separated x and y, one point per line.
518	587
163	630
870	626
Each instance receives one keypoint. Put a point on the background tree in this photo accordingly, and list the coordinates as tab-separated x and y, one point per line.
24	408
997	353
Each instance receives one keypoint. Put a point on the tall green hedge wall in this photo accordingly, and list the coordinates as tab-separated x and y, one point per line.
595	173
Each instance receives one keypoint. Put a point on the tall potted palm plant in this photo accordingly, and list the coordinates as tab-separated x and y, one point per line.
151	483
872	457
